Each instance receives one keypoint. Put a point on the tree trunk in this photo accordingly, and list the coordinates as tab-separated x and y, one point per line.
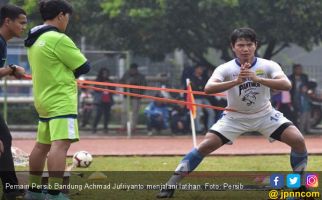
269	50
225	55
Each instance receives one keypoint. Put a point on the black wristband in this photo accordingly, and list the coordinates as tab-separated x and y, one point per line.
13	68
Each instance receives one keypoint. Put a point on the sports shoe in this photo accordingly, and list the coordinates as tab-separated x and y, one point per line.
60	196
34	196
165	193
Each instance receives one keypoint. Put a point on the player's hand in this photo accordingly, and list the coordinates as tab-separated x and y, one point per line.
247	73
251	75
244	73
245	66
19	72
1	148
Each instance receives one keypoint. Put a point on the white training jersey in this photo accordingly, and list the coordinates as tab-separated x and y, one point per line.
249	97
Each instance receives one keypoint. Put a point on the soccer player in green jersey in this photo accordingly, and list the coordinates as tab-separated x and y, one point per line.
56	63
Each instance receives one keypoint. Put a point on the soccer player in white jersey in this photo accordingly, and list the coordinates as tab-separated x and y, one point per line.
247	80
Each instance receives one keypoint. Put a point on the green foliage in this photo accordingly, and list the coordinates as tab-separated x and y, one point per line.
113	7
199	25
154	28
28	5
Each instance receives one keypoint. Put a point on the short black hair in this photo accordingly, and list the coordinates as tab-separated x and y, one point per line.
296	65
49	9
198	65
134	66
10	11
245	32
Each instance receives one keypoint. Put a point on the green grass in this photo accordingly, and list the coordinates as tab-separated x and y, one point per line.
157	170
211	163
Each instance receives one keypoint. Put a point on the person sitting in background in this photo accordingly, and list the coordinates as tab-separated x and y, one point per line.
198	83
316	99
180	119
157	114
86	106
103	101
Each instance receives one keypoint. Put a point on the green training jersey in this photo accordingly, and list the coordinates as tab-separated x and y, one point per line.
53	59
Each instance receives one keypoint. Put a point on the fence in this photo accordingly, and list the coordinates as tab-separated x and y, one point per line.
22	115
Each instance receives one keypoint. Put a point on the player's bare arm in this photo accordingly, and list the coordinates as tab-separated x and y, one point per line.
216	86
13	70
280	82
19	72
5	71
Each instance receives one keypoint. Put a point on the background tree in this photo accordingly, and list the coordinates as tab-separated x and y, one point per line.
154	28
199	25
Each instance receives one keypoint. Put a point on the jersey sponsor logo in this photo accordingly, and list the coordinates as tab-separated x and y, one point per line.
248	85
259	72
249	95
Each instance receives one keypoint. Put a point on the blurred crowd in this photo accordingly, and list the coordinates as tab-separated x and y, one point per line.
301	104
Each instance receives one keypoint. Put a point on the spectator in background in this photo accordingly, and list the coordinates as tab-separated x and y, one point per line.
86	101
134	77
198	83
304	109
157	114
297	78
316	111
180	119
220	101
187	72
13	22
103	101
281	100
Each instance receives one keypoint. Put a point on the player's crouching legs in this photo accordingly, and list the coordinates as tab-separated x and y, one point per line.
294	138
191	160
298	158
210	143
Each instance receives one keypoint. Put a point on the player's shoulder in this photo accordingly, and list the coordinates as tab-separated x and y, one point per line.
227	66
55	37
263	61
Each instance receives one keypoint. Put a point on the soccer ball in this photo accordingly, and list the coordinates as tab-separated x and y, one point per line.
82	159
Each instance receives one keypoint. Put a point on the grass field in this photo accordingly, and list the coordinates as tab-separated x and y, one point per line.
212	163
128	173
